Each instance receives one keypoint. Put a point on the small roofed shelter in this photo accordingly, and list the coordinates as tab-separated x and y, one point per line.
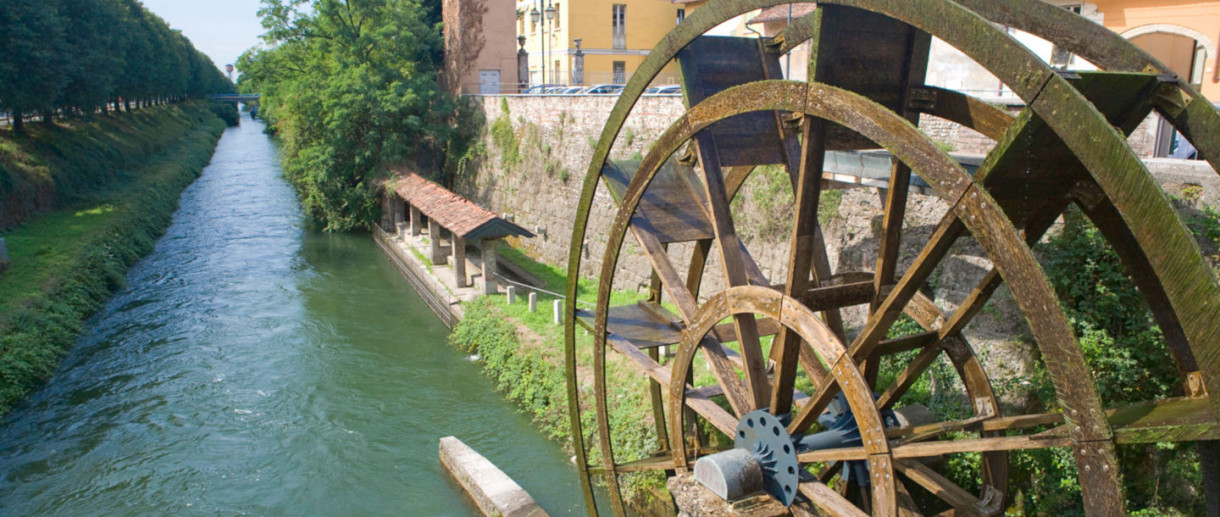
415	200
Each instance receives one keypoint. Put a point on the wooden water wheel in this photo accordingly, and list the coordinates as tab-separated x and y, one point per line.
1067	147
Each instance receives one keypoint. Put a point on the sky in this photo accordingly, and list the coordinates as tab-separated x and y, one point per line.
222	29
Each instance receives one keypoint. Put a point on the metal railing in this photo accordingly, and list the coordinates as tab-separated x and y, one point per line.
591	79
527	287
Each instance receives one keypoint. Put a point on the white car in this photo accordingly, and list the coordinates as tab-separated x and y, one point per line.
604	89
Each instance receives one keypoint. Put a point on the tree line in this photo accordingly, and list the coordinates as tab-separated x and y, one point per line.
351	87
76	57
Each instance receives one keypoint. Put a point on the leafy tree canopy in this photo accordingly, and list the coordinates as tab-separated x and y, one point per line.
351	87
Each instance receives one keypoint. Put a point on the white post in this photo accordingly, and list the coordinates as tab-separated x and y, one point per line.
557	311
512	294
533	302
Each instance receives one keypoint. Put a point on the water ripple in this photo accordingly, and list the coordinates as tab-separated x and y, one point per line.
252	366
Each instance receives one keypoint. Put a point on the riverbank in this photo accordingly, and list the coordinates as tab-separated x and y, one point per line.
103	191
522	352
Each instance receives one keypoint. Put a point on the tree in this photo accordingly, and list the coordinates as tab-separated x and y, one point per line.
35	57
95	61
352	86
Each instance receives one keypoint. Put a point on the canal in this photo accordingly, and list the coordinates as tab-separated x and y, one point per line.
253	366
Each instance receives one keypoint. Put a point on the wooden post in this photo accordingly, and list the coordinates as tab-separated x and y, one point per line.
416	225
434	239
459	261
396	206
386	211
489	265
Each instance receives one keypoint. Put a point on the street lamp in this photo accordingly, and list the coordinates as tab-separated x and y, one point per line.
550	16
535	17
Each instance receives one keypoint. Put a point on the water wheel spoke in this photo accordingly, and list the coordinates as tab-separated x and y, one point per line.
678	291
918	341
929	431
906	503
947	231
787	350
732	255
809	412
722	368
891	230
697	398
935	448
974	302
962	501
879	321
828	473
829	500
908	377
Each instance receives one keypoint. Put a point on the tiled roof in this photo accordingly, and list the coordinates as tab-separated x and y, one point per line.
779	13
455	213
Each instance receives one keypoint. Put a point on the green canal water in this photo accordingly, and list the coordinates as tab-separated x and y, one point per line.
253	366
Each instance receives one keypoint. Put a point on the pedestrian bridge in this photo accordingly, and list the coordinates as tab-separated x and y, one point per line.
234	97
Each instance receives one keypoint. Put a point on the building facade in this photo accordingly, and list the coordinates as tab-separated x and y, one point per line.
480	46
609	37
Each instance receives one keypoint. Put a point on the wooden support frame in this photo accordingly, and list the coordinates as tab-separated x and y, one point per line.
1060	105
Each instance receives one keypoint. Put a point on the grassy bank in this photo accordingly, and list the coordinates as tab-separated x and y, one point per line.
522	352
67	262
53	167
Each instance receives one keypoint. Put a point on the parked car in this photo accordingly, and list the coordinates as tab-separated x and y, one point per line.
669	89
538	89
605	89
572	90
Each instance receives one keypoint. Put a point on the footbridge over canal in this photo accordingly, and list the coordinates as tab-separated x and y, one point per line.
234	97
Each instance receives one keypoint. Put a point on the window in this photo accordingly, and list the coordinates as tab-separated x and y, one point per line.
620	72
556	26
681	15
618	24
520	23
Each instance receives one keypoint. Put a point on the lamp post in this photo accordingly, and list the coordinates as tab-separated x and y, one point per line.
536	17
578	64
550	16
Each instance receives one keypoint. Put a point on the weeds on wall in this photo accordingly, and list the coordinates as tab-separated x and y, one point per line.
505	138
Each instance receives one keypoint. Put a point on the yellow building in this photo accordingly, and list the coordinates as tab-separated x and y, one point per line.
612	36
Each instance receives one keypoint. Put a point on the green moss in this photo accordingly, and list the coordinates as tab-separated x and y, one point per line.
828	205
504	137
66	263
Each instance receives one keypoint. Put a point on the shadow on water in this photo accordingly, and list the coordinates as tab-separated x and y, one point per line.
254	366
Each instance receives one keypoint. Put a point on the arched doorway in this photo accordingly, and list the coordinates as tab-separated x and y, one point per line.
1183	50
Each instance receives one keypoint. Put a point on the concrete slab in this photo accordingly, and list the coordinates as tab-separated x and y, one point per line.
492	490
